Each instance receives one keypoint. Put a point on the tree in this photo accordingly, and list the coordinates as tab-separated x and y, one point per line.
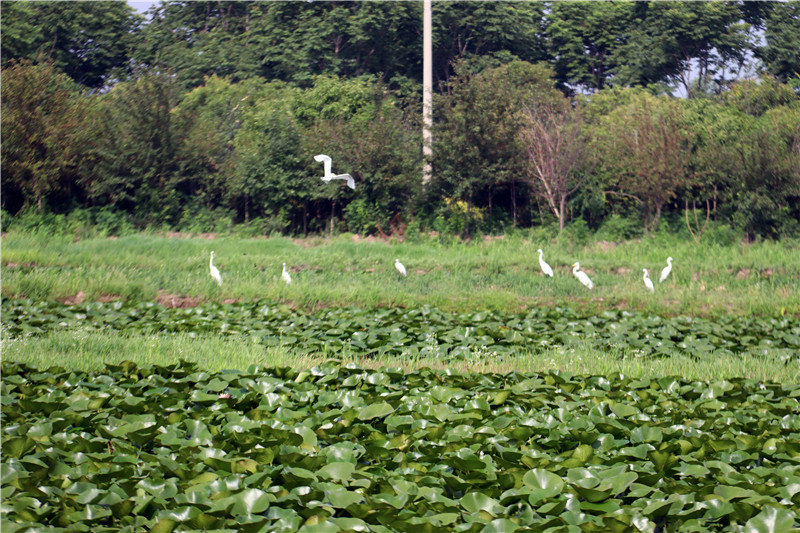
210	116
135	152
765	189
557	153
583	38
673	40
85	40
647	146
41	128
463	30
782	35
477	145
195	40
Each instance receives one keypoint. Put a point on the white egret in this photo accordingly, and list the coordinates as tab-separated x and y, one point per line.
648	282
326	161
285	275
666	271
214	270
399	266
545	267
582	277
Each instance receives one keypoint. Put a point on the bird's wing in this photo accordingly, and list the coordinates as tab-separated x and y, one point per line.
326	161
350	181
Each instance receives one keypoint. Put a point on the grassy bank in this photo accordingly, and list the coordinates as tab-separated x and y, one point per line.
761	279
94	351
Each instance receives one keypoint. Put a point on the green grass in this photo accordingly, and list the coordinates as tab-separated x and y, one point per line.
93	351
707	280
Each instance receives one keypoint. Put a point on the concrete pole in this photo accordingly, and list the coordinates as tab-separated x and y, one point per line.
427	90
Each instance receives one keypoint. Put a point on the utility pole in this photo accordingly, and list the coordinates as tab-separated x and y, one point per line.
427	90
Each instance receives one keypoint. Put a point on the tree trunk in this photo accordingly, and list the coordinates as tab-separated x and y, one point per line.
562	211
466	222
247	208
514	203
333	212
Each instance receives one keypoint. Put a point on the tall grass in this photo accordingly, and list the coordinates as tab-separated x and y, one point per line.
707	279
93	351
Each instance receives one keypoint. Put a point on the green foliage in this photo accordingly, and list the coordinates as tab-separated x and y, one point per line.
42	129
85	40
343	448
782	36
425	331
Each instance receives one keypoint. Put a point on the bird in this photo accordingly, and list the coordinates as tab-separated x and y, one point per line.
214	270
667	269
326	161
582	277
648	282
285	275
545	267
399	266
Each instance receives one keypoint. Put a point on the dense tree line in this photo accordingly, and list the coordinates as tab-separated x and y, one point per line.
210	112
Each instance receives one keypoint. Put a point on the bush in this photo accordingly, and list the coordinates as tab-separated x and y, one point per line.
617	228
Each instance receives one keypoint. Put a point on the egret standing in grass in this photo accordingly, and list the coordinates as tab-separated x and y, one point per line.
545	267
326	161
582	277
399	266
285	275
666	271
648	282
214	270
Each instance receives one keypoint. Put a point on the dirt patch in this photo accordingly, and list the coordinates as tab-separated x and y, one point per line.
77	299
176	300
303	267
368	238
696	276
605	245
309	242
106	298
18	265
743	273
228	301
623	271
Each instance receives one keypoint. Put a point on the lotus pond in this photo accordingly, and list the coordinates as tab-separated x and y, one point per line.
424	331
175	448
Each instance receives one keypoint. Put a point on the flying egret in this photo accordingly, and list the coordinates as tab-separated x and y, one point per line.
582	277
545	267
214	270
666	271
399	266
648	282
285	275
326	161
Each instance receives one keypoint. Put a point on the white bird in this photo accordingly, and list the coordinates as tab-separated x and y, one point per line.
648	282
326	161
214	270
399	266
285	275
582	277
666	271
545	267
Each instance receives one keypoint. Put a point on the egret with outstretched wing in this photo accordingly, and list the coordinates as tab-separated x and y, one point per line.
329	175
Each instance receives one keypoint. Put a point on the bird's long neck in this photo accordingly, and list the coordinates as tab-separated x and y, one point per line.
327	166
211	262
575	269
